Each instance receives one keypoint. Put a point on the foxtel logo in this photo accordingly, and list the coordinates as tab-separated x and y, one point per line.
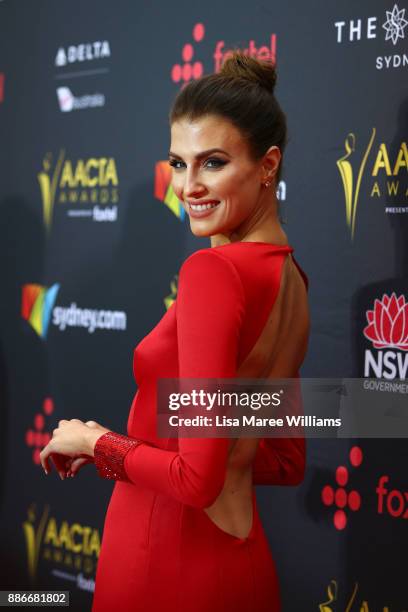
394	502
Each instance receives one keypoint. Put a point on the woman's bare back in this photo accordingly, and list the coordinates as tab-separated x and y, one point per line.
278	353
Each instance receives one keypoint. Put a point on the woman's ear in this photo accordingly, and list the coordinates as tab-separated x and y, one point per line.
270	163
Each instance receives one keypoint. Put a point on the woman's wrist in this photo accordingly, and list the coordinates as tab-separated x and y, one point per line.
91	438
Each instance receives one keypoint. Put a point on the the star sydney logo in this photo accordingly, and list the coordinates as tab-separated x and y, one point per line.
36	306
395	24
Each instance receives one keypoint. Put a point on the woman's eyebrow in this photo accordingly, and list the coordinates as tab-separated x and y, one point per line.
202	154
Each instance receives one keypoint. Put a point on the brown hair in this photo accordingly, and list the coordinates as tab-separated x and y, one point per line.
243	93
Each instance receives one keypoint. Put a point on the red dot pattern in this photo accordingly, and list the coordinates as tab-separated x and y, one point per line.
37	437
188	71
342	475
328	495
187	53
198	32
340	519
356	456
339	496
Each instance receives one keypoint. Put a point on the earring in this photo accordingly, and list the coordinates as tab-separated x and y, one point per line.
267	184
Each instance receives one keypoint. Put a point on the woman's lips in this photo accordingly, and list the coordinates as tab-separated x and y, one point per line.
198	211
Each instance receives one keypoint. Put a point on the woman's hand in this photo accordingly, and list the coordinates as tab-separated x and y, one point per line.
72	440
74	465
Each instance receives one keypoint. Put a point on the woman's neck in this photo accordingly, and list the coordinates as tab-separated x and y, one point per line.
262	226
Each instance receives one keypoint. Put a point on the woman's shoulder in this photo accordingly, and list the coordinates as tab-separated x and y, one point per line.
208	262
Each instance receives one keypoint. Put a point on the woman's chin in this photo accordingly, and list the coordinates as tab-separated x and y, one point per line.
201	230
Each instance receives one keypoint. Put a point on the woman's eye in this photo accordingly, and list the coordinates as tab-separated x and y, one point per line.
217	162
212	162
174	162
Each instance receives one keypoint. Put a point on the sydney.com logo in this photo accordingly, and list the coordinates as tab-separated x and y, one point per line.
38	303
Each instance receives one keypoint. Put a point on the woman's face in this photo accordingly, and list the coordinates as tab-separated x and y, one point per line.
212	165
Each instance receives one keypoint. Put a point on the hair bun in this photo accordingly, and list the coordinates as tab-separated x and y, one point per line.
239	65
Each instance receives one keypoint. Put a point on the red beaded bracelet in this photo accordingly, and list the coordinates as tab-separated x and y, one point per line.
110	451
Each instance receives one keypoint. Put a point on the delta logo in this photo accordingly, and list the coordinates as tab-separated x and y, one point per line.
383	179
387	330
36	306
84	52
89	188
191	69
164	191
392	27
69	546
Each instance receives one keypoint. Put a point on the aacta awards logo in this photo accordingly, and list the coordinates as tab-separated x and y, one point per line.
191	68
36	305
70	547
383	176
387	330
339	497
355	601
89	187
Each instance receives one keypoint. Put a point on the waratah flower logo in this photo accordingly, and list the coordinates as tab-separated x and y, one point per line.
388	323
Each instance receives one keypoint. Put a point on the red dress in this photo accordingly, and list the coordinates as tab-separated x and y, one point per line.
160	551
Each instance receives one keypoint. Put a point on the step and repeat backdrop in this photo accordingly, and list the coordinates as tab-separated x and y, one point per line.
92	238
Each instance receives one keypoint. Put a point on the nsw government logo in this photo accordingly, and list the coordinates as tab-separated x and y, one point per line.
387	330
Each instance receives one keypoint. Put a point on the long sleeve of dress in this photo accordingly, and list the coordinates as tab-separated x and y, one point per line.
210	310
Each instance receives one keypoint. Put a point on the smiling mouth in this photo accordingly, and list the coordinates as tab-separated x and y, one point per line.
200	207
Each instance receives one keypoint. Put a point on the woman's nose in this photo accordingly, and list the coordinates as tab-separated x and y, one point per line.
192	185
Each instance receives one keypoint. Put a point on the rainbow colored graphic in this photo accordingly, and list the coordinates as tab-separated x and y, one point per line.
36	305
164	191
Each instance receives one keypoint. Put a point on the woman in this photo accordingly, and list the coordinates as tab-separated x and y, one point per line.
182	531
